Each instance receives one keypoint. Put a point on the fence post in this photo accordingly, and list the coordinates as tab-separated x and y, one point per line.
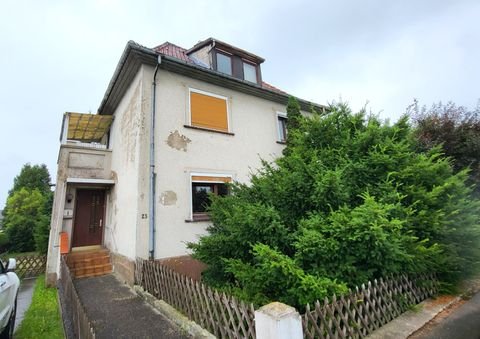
278	321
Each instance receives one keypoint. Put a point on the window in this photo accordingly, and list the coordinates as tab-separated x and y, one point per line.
282	126
202	187
208	111
224	63
249	72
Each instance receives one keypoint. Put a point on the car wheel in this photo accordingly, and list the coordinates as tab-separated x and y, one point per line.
8	330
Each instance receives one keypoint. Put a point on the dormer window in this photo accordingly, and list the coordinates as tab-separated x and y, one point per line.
224	63
249	72
227	59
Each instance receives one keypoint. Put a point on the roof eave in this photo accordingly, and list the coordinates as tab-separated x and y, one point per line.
135	55
132	57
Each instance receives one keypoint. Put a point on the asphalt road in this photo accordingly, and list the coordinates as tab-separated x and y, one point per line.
462	323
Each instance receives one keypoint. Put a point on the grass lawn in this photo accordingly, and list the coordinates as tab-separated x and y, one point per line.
42	319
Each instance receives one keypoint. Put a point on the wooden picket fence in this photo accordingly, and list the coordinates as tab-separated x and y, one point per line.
222	315
367	308
354	315
29	266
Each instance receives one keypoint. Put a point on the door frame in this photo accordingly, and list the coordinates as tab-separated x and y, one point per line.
87	188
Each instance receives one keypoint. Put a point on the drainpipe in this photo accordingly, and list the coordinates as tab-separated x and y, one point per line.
153	176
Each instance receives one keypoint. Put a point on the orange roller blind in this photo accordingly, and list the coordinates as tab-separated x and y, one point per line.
208	112
202	178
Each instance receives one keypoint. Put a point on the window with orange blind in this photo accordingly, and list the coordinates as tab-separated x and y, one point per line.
202	187
208	111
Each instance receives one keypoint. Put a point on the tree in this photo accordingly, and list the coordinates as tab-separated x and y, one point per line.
24	211
456	129
293	113
27	212
351	200
32	177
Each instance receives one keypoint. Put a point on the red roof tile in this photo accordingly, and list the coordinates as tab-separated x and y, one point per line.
272	88
172	50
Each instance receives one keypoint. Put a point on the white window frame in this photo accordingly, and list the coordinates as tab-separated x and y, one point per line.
203	174
279	135
189	118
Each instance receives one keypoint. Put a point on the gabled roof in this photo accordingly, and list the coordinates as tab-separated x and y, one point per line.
175	59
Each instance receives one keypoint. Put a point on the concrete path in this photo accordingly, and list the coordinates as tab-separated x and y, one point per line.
117	312
459	322
24	299
409	322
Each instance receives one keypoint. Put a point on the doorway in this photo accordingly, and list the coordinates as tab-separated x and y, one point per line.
88	222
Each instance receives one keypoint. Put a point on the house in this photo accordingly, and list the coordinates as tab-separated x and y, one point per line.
173	126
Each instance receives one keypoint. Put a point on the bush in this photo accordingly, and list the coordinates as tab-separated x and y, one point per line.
351	200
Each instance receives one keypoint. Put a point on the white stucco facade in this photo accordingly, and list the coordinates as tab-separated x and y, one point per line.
253	123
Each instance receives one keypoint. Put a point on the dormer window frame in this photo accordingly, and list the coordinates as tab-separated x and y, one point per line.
225	54
254	65
237	62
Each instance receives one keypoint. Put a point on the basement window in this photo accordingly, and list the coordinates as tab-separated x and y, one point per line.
202	186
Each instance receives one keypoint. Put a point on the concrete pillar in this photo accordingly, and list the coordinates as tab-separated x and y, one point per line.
53	256
278	321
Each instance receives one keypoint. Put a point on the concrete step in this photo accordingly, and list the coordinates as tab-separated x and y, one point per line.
104	259
93	270
75	256
93	274
89	263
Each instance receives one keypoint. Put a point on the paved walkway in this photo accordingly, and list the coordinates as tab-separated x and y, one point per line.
461	322
24	299
409	322
117	312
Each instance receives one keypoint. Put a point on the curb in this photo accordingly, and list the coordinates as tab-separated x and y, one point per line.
411	321
447	305
191	327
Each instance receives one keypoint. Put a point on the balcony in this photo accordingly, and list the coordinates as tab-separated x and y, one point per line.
84	156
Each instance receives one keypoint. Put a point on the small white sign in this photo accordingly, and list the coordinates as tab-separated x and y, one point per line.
67	213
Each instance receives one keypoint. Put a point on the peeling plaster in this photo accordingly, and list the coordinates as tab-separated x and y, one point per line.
177	141
168	198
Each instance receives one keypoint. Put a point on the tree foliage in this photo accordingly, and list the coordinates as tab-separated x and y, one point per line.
456	129
24	210
351	200
28	209
32	177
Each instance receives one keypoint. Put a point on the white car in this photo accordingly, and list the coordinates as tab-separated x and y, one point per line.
9	284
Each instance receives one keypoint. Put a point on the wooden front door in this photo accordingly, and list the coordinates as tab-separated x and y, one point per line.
89	217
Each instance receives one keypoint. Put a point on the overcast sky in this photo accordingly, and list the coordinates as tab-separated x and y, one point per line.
59	56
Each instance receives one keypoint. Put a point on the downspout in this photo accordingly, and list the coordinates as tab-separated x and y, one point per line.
151	198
